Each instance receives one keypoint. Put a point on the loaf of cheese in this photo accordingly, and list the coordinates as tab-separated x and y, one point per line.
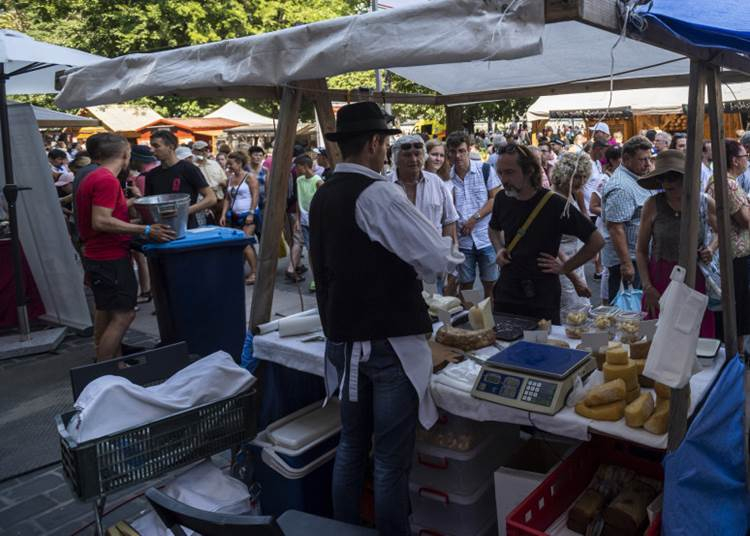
628	373
632	395
613	411
658	423
627	513
605	393
617	356
639	350
465	339
638	411
480	316
585	510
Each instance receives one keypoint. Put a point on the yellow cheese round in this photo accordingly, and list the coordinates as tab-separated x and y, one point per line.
617	356
638	411
658	423
628	373
605	393
607	412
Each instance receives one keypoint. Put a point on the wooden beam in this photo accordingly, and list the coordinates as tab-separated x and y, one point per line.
453	119
321	99
560	10
355	95
275	211
689	220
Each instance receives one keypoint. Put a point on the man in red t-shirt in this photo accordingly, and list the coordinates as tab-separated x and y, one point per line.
105	231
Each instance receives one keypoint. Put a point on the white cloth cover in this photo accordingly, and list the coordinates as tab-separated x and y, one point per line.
446	31
41	226
204	487
672	358
110	404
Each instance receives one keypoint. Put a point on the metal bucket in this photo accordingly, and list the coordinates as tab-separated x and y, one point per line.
168	209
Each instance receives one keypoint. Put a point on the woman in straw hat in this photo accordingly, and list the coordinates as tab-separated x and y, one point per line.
658	246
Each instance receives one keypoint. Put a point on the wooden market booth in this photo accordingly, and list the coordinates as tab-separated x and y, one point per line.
652	56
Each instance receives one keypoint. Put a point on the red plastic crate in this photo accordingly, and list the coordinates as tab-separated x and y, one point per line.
563	486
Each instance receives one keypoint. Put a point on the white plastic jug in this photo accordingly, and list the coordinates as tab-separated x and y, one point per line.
672	358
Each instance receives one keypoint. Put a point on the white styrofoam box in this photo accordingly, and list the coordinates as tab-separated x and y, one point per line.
524	471
310	426
420	530
462	472
451	513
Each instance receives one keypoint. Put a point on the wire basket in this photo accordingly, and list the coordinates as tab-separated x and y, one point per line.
103	465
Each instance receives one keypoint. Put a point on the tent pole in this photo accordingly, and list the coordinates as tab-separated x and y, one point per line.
454	119
680	399
324	110
10	190
275	211
716	116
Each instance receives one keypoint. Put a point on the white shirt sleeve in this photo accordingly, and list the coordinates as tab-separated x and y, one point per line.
493	181
386	215
450	214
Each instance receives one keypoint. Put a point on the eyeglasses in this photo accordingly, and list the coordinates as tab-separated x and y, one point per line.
409	146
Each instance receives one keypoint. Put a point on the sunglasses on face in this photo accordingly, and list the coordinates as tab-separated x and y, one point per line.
410	146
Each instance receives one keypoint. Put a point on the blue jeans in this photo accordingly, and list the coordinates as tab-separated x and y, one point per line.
388	410
485	258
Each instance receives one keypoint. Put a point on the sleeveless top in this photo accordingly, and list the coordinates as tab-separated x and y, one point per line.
241	198
665	235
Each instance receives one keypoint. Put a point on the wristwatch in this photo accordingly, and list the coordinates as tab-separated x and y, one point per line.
477	216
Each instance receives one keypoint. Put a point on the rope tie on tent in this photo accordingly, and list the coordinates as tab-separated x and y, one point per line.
507	8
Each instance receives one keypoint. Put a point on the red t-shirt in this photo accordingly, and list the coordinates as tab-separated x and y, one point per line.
101	188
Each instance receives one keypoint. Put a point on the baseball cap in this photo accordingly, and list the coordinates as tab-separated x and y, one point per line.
200	145
183	152
142	153
600	126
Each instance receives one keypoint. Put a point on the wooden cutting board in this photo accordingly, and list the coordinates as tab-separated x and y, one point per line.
442	355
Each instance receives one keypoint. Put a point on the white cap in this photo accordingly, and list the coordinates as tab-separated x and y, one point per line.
200	145
183	152
602	127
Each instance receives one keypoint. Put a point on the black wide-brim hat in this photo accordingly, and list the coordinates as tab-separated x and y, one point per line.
358	118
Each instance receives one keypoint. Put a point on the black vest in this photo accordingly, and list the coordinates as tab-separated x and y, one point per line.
364	291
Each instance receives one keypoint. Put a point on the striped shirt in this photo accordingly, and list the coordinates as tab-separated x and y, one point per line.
471	194
622	202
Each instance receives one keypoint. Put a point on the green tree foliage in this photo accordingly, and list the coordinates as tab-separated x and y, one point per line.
115	27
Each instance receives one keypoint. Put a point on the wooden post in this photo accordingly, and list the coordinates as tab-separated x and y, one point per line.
275	211
322	101
454	119
689	221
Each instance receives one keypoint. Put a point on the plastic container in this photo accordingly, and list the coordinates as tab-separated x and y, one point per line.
629	326
458	472
454	432
199	289
576	331
419	530
552	498
451	513
575	315
296	460
169	209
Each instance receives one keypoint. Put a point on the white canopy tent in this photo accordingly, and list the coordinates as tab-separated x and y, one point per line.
236	112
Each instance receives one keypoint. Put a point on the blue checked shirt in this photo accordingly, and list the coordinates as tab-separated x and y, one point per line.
471	194
622	202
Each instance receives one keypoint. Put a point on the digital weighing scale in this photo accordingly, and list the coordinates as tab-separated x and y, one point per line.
532	376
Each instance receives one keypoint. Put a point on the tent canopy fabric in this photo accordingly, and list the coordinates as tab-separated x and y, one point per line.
46	118
19	51
668	100
232	110
320	49
724	24
123	117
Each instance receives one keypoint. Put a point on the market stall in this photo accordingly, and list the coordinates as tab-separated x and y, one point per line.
654	53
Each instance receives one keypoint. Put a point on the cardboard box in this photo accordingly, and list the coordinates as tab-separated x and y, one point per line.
525	470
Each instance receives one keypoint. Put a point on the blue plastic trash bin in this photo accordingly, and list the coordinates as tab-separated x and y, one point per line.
199	289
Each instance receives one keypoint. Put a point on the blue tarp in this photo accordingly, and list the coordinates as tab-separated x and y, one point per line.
704	490
717	24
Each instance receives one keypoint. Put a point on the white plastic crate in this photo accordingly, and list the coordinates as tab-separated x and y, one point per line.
462	472
450	513
419	530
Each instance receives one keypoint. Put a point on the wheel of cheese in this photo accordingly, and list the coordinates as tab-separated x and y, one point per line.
605	393
638	411
628	373
639	350
617	356
607	412
632	394
658	423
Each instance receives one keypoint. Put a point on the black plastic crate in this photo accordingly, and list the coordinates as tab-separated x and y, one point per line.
103	465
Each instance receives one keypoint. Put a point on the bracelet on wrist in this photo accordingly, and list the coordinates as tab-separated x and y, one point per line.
147	231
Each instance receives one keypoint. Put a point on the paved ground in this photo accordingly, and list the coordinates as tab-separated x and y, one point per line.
39	502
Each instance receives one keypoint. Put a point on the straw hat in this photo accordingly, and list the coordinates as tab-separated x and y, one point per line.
669	161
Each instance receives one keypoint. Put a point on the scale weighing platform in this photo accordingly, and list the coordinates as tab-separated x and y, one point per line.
532	376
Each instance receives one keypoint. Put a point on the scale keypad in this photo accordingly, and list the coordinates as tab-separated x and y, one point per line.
531	391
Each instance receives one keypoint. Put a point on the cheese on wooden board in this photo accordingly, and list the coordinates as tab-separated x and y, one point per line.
658	423
480	315
628	373
639	350
605	393
607	412
465	339
639	410
617	356
632	395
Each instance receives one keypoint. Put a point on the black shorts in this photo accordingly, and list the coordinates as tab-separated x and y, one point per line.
113	283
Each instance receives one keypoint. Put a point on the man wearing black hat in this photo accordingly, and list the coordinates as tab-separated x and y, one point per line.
370	247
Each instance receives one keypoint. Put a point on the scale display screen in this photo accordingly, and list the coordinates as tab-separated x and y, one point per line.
499	384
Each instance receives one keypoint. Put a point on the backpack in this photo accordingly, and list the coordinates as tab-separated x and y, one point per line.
486	172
